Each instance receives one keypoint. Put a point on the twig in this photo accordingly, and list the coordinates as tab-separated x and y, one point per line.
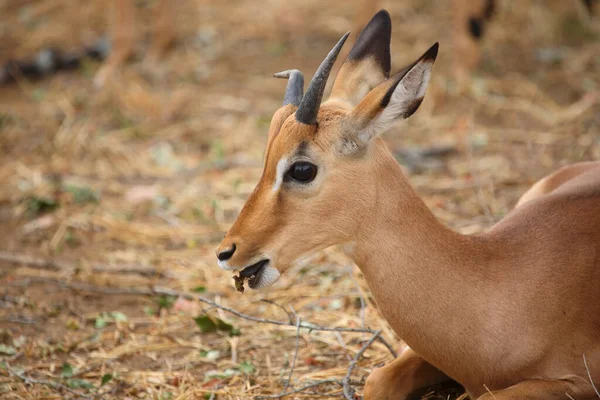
348	391
58	265
158	290
279	306
32	381
479	192
345	383
289	379
388	346
363	303
590	376
170	292
300	389
489	391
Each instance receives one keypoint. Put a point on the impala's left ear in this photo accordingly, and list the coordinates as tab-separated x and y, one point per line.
396	98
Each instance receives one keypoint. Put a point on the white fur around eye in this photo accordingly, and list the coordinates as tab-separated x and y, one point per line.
282	166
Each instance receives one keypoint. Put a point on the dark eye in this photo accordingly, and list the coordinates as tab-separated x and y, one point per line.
302	171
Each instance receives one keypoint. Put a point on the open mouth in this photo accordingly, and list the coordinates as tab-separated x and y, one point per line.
251	273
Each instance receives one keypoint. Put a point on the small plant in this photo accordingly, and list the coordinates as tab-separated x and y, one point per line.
5	120
105	318
208	324
36	205
83	194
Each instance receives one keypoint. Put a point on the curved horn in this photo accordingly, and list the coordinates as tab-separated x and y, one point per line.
309	106
295	86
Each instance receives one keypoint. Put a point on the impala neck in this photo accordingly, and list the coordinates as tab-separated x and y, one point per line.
420	272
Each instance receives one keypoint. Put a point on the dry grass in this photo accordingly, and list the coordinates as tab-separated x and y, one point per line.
133	186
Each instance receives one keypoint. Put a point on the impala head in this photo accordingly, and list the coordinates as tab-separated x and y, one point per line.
318	175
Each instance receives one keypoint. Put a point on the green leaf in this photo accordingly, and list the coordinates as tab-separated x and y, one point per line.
9	350
206	324
79	384
105	379
38	205
209	324
100	322
199	289
38	94
210	355
118	316
246	367
165	302
67	370
82	194
149	310
224	326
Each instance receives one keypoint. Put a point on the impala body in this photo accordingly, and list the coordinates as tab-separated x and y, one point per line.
509	313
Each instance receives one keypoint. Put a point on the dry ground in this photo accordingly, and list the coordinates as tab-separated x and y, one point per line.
133	185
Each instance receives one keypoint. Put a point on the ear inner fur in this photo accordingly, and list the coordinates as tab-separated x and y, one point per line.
378	110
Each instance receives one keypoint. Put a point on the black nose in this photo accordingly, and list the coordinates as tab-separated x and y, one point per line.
226	254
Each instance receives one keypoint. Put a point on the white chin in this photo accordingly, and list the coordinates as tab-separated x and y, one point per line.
267	277
226	267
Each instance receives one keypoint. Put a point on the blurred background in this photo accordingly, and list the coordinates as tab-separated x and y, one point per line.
129	178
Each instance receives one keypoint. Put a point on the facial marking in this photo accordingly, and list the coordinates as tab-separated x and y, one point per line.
224	265
282	166
268	276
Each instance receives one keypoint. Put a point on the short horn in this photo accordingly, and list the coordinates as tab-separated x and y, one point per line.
309	106
295	86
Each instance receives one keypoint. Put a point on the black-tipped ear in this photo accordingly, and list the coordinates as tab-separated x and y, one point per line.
396	98
428	57
374	41
431	54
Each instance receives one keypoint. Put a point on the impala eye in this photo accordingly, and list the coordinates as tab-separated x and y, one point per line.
302	171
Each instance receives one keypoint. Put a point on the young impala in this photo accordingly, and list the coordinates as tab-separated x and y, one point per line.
509	314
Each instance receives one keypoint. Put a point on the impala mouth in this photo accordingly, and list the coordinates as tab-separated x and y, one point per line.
252	274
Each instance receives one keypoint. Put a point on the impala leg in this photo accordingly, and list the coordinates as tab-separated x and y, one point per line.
163	29
541	389
403	376
470	21
122	26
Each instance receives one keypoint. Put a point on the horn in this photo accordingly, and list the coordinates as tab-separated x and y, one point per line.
309	106
295	86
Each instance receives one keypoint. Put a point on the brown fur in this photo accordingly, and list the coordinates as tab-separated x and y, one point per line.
557	179
512	310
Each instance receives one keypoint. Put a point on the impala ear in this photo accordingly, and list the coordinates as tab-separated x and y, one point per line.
368	63
396	98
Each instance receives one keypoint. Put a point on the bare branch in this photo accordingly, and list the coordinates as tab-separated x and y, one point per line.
388	346
279	306
348	391
58	265
54	385
158	290
289	379
300	389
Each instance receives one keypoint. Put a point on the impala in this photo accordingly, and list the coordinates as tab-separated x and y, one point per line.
508	314
124	35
